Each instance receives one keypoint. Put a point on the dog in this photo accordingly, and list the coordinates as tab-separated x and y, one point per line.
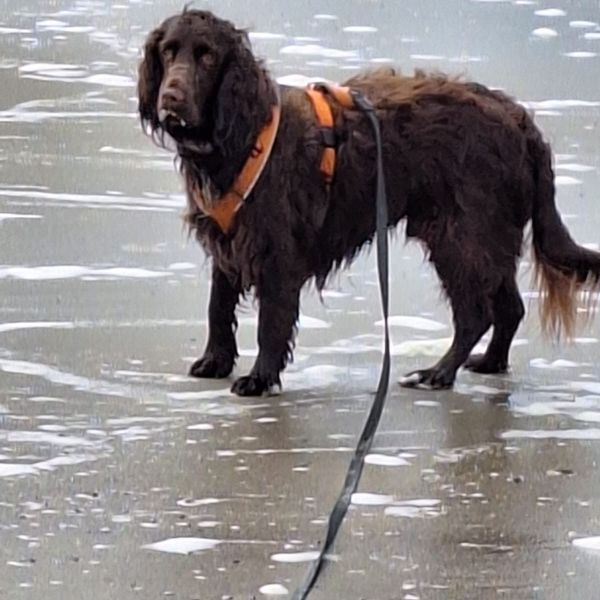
465	167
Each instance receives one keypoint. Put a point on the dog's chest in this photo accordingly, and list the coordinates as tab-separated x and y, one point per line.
235	254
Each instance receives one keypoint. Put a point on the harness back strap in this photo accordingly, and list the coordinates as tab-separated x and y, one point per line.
224	209
324	114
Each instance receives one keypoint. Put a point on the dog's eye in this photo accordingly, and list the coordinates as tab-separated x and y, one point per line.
203	53
170	50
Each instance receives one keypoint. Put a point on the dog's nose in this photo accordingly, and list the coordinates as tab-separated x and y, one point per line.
172	95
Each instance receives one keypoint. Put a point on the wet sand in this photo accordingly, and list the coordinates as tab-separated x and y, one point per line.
122	478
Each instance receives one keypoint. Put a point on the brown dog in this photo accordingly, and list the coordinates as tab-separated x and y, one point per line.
465	166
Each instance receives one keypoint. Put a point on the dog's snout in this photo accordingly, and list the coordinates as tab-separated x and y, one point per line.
177	102
173	93
172	97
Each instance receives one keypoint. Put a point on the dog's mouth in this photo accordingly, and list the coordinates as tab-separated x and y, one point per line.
193	136
170	118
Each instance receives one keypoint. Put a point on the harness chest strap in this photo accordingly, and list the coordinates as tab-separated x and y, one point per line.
224	209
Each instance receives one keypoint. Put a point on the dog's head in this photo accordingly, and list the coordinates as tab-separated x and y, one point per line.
197	82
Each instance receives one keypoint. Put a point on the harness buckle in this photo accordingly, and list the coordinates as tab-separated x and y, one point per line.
328	136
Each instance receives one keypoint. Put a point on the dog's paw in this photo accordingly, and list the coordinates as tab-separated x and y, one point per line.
254	385
428	379
480	363
212	366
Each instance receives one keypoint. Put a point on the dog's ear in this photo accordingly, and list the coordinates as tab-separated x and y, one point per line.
150	73
242	103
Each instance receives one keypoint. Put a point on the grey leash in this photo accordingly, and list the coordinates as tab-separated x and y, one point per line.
366	438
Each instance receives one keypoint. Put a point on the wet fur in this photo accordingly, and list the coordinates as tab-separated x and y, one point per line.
465	167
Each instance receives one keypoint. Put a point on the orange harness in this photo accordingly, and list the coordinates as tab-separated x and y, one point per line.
316	93
224	209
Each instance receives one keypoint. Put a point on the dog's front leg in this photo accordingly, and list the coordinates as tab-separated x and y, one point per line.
279	300
221	350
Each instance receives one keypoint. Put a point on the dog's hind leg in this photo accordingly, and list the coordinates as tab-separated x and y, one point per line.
221	349
508	311
467	285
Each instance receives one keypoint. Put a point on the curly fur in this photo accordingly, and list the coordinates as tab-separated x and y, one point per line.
465	167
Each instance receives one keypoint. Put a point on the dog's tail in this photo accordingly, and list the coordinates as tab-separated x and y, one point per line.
563	269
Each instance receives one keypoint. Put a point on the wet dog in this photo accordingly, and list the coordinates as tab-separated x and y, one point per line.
465	166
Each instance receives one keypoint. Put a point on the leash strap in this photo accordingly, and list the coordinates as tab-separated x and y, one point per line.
366	438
